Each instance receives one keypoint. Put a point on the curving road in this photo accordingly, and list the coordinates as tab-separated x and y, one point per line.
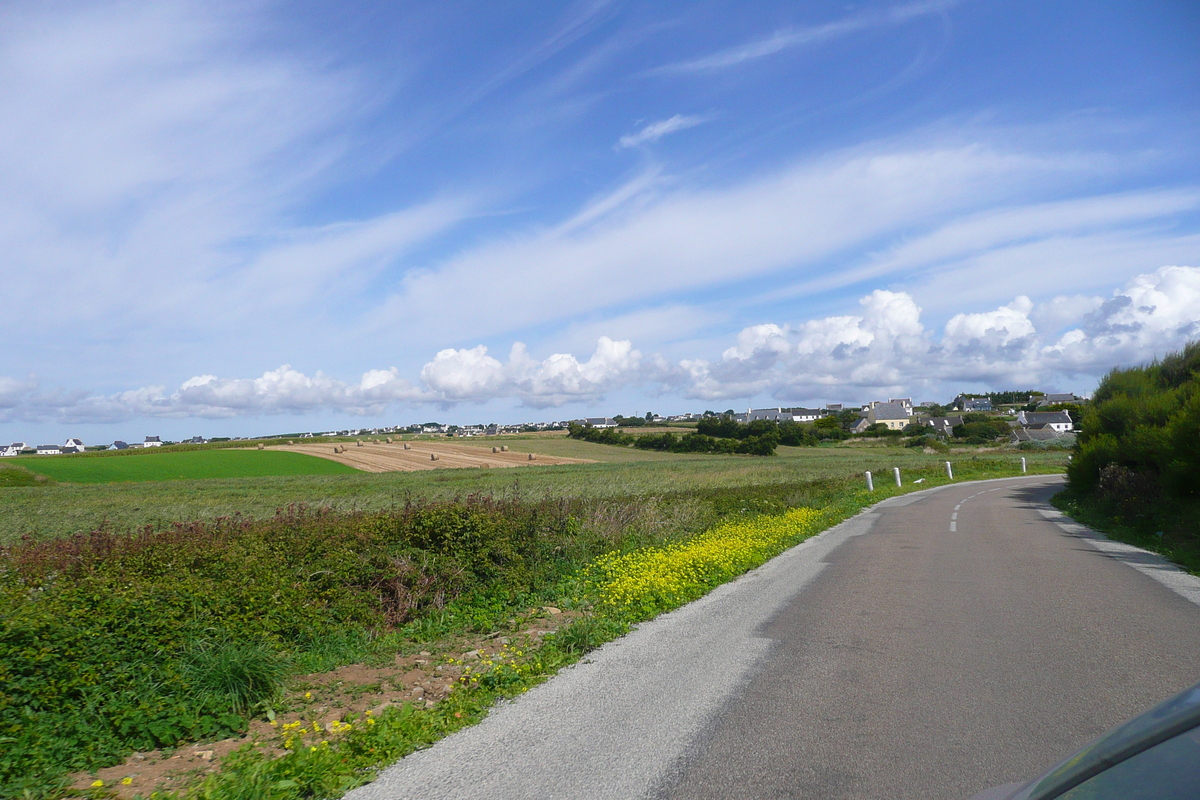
938	644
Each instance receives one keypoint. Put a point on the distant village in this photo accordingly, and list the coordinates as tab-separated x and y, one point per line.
1031	416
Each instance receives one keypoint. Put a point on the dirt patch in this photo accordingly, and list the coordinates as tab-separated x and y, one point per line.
423	455
319	703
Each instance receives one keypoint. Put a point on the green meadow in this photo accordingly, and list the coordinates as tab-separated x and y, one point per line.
168	466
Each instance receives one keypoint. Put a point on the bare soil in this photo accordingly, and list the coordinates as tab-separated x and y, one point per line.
380	456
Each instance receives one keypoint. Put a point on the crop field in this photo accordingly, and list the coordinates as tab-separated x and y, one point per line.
419	456
194	465
50	511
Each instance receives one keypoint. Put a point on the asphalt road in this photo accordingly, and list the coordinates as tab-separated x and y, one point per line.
939	644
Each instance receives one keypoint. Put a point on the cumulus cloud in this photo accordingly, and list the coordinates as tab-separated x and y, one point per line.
886	348
471	374
278	391
656	130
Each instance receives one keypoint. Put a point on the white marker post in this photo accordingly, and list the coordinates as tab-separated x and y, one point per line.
949	470
896	472
1022	466
870	483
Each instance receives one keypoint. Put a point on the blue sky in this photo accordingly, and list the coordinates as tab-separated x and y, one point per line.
239	218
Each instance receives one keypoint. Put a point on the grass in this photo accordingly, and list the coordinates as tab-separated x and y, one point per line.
51	511
187	465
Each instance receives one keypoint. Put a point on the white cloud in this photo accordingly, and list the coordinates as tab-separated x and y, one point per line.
990	330
1154	312
656	130
795	37
886	349
471	374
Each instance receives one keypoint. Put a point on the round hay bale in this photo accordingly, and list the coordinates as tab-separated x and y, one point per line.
337	449
407	446
495	449
531	456
389	440
503	448
433	457
261	445
358	443
290	441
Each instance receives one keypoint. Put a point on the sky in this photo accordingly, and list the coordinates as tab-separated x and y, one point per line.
230	219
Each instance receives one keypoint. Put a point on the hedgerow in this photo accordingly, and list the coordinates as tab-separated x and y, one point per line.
762	444
1135	471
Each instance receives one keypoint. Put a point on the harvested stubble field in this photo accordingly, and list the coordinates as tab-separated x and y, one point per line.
417	456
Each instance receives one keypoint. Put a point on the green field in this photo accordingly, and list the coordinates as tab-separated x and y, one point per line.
168	466
72	507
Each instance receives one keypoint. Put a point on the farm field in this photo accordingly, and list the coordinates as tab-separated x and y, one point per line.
198	464
616	473
375	456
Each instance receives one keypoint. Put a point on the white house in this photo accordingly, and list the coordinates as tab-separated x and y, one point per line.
9	450
73	446
600	422
1058	421
49	450
152	441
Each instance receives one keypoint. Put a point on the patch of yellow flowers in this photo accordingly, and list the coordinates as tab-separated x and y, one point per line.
646	581
293	733
502	669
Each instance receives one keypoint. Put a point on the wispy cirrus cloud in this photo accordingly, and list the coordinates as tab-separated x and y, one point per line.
789	38
656	130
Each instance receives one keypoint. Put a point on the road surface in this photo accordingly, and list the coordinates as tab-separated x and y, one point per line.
940	643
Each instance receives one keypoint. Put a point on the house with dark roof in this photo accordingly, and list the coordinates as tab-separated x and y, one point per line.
966	403
943	426
894	415
781	414
49	450
152	441
1039	434
1055	399
1058	421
